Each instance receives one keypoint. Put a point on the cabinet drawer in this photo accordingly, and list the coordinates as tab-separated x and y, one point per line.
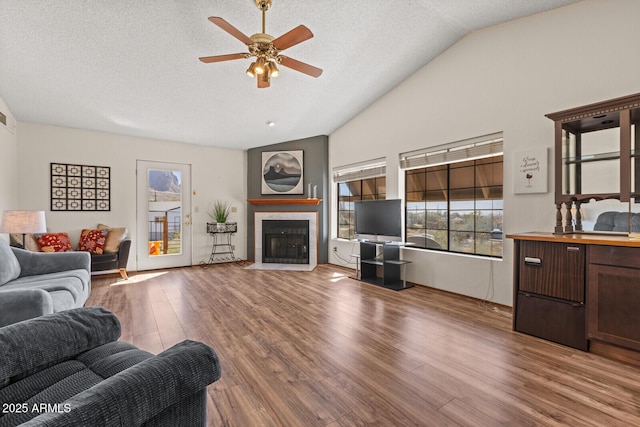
554	320
615	255
552	269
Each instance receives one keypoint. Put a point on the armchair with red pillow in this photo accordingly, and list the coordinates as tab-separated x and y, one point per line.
109	248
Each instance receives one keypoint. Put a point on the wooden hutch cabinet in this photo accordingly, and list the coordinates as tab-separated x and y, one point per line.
580	288
597	147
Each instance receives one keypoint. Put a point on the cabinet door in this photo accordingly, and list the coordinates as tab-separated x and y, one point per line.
552	269
613	312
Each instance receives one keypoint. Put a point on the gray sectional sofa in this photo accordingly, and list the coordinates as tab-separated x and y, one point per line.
69	369
617	221
36	283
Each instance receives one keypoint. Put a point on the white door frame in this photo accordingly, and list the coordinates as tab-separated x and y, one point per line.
145	261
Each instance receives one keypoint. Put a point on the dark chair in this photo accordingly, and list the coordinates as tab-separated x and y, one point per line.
113	261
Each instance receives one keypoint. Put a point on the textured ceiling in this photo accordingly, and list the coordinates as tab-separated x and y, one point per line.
131	66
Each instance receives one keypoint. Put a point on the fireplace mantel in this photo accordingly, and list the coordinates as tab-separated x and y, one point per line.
285	201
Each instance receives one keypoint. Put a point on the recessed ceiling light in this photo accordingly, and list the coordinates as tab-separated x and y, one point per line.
271	124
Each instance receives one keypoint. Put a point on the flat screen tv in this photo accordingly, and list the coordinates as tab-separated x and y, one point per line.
379	217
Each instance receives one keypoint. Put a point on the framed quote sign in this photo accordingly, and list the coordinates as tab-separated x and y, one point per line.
531	171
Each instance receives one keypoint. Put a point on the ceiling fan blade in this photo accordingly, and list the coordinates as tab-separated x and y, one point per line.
300	66
262	84
292	38
231	30
220	58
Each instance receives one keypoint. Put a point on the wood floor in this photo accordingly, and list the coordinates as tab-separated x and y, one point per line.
321	349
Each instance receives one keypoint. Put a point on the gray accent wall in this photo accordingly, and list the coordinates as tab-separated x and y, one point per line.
316	172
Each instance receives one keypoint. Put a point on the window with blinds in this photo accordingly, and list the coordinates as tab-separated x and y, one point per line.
454	196
361	181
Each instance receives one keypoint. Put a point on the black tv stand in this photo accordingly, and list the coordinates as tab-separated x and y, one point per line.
389	262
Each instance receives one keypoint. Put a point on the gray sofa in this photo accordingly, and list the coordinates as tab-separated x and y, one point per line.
617	221
37	283
68	369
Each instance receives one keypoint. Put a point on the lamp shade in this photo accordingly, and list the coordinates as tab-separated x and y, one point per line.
23	222
273	69
251	71
260	66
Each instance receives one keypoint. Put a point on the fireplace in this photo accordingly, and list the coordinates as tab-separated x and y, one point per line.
285	241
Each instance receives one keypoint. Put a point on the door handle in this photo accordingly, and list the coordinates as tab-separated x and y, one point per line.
532	261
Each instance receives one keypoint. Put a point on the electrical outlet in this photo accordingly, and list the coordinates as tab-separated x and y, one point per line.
335	249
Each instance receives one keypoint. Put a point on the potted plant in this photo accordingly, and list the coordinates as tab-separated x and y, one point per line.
220	213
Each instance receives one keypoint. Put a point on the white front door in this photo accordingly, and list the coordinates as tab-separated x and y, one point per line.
164	215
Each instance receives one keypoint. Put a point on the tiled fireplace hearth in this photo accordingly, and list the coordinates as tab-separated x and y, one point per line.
290	240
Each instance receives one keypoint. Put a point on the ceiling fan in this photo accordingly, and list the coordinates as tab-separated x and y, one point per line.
266	49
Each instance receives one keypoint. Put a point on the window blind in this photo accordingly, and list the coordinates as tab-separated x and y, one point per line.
468	149
364	170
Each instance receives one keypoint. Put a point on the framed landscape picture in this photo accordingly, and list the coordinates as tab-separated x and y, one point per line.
282	172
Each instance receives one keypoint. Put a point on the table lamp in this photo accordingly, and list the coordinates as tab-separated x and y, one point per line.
23	222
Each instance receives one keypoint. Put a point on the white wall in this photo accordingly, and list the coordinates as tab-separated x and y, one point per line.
8	163
503	78
215	174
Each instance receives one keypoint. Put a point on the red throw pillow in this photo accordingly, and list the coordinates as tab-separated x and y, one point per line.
53	242
93	241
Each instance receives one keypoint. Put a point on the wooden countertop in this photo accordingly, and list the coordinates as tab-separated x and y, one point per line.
579	238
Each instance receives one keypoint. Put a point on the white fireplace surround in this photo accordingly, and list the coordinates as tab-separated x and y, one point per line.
312	217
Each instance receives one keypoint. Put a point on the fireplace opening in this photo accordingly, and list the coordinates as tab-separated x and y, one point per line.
285	241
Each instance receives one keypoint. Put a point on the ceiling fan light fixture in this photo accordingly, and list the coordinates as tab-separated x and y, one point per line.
265	49
260	66
251	71
273	69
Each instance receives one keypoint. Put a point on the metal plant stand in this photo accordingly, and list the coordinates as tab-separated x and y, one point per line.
221	249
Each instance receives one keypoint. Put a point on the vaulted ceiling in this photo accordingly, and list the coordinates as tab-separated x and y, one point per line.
131	67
